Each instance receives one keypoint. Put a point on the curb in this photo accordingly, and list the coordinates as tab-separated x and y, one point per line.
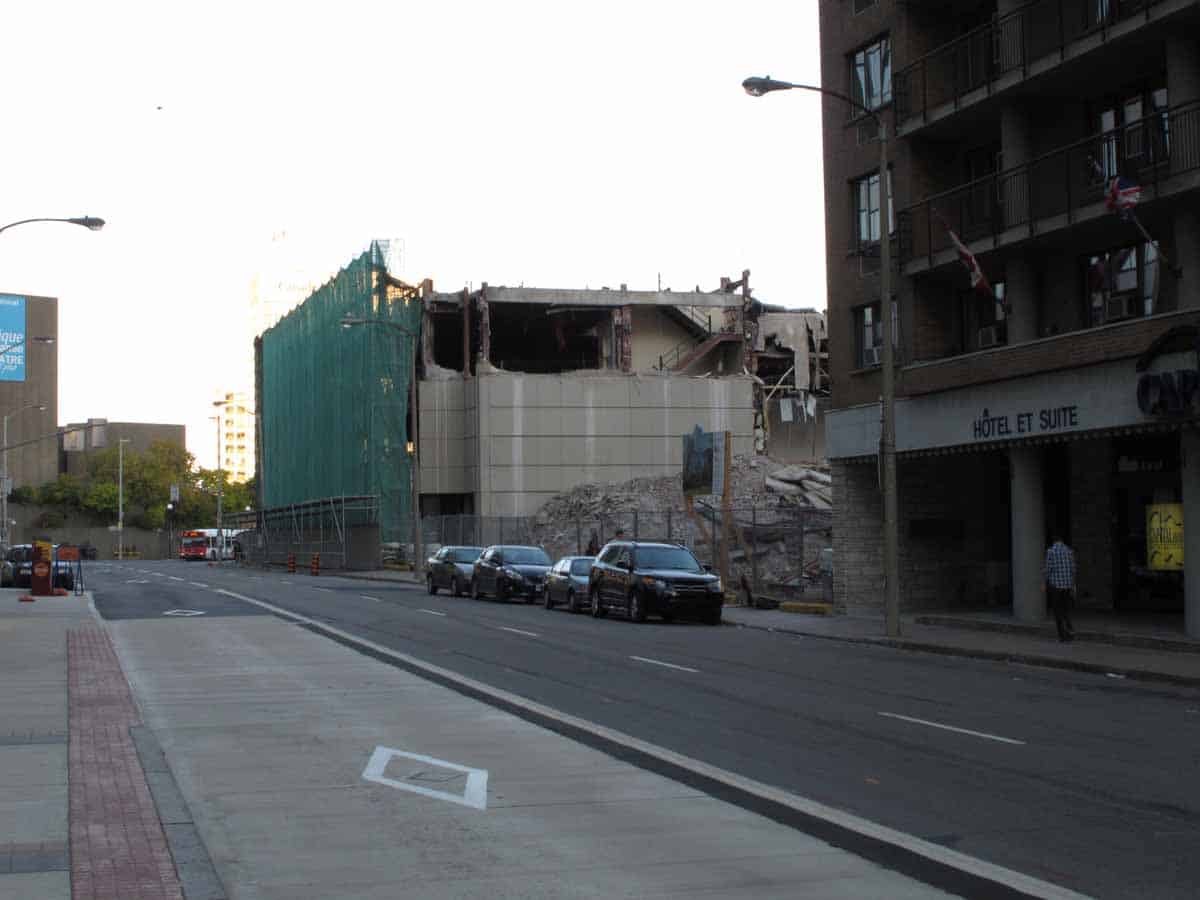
1029	659
1143	642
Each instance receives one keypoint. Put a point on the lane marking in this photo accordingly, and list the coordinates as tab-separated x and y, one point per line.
198	584
285	581
474	792
176	578
659	662
432	612
979	734
971	866
184	612
369	597
324	590
518	631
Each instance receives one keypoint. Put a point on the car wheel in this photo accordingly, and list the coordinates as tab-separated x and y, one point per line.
597	607
429	585
455	587
714	617
572	606
668	617
637	607
475	595
547	598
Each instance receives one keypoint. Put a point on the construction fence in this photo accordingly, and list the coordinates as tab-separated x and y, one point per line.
776	549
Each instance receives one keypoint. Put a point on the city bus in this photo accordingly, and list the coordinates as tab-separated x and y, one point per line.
203	543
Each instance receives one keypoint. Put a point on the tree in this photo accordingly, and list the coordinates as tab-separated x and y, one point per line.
101	499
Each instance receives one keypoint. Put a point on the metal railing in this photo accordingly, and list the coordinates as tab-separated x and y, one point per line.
343	530
1148	152
669	360
1006	44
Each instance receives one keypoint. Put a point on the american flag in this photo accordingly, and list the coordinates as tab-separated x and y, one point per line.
1123	195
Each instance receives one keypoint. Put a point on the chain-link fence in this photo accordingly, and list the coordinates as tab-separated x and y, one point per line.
772	550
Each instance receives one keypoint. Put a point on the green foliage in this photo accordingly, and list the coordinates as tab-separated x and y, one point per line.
23	495
101	499
65	493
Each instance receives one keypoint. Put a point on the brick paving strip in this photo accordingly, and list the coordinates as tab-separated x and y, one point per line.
118	848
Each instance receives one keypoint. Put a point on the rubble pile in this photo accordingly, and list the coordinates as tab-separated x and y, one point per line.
781	517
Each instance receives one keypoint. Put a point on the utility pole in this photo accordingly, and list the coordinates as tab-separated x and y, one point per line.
121	497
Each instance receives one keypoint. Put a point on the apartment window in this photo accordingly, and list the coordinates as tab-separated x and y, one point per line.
866	201
1123	283
871	75
868	330
985	319
1134	130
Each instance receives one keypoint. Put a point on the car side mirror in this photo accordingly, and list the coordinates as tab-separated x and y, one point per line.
498	560
707	567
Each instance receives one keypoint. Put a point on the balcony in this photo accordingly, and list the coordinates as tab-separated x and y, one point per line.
1026	42
1160	152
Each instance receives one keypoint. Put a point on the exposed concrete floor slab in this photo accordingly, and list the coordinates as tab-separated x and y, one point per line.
268	727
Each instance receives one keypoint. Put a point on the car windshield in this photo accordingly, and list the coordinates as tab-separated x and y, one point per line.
464	554
581	566
525	556
677	558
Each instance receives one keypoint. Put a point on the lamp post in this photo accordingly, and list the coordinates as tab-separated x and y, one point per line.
89	222
220	404
414	444
121	497
756	87
4	530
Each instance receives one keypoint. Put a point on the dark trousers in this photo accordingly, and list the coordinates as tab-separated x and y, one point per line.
1060	602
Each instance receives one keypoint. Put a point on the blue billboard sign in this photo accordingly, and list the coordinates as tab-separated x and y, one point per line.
12	338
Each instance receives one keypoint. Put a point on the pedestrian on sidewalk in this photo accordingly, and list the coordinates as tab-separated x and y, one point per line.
1059	585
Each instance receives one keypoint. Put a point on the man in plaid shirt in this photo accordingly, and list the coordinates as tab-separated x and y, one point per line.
1059	579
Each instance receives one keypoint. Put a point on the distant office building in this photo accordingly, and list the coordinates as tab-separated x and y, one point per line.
237	435
29	386
79	441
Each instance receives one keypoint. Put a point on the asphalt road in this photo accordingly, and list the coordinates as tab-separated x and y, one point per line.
1085	781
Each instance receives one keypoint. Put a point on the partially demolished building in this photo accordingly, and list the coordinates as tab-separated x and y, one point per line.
521	393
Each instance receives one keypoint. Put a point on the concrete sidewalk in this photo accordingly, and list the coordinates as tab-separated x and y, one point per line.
1094	651
314	771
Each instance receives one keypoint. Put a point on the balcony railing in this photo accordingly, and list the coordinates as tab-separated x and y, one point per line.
1008	43
1148	152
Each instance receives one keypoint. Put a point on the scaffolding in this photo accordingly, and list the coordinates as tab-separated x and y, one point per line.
333	401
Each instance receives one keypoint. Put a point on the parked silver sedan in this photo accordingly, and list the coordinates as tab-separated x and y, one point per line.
567	582
451	568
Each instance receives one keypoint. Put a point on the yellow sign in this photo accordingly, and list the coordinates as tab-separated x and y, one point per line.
1164	536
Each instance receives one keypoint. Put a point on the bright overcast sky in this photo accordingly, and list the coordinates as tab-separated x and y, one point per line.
546	143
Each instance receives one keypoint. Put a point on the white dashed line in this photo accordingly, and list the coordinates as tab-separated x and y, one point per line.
369	597
432	612
979	734
659	662
176	578
323	590
518	631
198	584
285	581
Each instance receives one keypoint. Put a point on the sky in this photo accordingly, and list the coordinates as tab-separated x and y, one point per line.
548	144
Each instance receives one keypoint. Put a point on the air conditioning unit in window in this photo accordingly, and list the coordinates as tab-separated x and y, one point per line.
870	356
1123	307
989	336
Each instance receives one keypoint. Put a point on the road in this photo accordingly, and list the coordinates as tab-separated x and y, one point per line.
1084	781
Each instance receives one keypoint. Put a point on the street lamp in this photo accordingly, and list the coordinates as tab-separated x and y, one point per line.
89	222
412	447
41	407
121	496
220	482
756	87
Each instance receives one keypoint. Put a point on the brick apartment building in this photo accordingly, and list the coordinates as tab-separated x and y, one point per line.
1064	398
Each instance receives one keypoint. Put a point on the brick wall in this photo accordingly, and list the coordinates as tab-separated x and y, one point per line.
1091	521
953	533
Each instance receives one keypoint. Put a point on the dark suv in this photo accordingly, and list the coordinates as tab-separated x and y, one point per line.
640	578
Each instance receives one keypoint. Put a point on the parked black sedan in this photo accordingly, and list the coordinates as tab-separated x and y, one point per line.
505	571
451	568
641	578
567	583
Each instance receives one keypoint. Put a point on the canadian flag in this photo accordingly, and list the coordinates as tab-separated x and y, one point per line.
979	281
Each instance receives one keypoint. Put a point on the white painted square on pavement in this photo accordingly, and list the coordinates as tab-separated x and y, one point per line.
422	771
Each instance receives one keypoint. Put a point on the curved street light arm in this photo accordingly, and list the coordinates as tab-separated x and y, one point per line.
89	222
756	87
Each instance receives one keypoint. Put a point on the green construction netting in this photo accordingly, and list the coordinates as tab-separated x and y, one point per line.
334	400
